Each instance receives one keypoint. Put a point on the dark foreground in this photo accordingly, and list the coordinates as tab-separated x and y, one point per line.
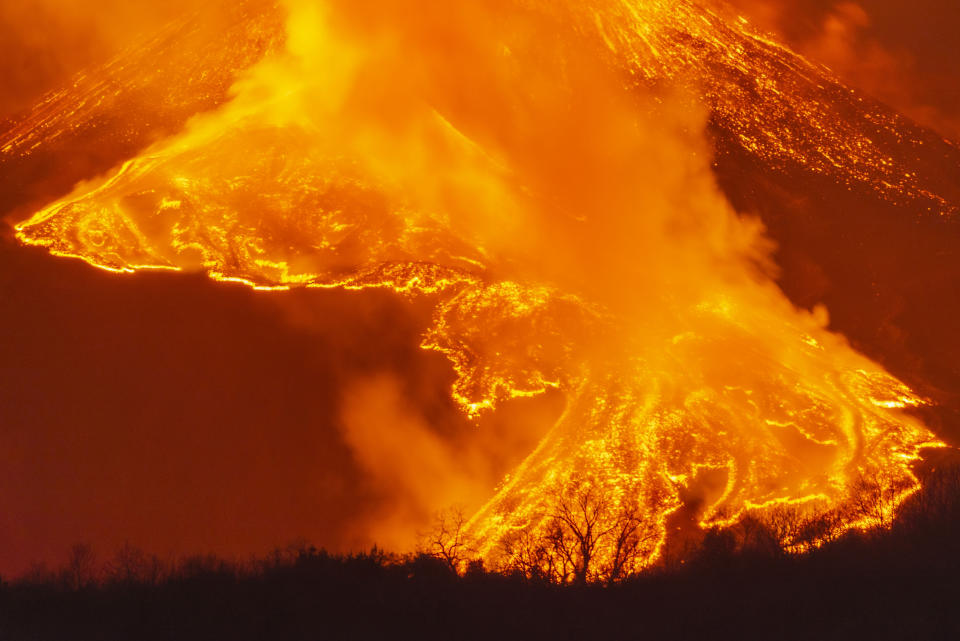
902	583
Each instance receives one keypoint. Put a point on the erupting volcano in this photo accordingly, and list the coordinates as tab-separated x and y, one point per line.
543	174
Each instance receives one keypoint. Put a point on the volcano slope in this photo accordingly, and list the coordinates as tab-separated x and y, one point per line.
861	203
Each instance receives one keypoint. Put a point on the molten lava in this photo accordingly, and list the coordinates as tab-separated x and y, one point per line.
540	172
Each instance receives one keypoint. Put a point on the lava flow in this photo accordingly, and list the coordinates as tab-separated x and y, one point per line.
540	171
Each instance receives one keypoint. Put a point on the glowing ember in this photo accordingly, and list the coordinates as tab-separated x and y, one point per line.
524	168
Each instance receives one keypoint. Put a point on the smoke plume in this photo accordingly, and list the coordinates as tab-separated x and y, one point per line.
495	159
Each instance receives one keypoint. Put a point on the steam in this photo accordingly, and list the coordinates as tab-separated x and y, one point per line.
415	472
489	157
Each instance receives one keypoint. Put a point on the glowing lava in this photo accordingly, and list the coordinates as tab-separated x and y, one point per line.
526	168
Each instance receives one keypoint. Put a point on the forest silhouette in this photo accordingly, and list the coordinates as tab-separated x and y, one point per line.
894	582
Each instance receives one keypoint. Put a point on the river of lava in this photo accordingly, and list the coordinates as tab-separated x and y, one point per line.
530	171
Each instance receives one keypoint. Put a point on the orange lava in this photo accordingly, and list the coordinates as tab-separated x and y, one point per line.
539	171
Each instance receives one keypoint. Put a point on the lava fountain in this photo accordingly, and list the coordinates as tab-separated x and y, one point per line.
540	172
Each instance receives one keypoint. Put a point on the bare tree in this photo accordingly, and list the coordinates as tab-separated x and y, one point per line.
528	555
447	540
630	533
589	536
132	565
80	570
579	526
874	497
127	566
773	531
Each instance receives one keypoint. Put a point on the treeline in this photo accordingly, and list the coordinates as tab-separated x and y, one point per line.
901	582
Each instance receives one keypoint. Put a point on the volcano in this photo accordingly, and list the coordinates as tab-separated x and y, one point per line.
575	188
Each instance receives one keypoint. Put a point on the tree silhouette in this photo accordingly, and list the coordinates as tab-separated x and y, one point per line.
447	539
80	570
131	565
874	498
590	535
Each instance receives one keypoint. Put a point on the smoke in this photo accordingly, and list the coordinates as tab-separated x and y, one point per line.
415	451
511	123
892	50
568	233
415	472
506	134
577	191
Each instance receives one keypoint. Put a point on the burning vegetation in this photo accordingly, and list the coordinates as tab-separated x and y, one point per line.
539	173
